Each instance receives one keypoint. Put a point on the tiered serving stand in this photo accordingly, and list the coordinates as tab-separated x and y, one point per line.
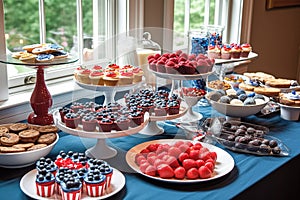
41	99
101	150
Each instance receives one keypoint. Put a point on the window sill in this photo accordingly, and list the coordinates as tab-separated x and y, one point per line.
17	107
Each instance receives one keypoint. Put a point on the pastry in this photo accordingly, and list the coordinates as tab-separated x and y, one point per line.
214	51
29	135
236	51
96	77
290	99
125	77
27	57
270	92
45	182
278	83
261	76
226	52
30	47
95	183
246	49
3	130
111	78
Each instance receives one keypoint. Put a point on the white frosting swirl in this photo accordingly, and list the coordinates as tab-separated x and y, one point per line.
292	96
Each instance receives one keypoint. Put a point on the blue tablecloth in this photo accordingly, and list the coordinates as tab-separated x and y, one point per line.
248	171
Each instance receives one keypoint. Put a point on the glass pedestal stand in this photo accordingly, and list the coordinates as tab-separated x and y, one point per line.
41	99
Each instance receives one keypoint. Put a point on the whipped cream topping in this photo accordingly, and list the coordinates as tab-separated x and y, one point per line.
292	95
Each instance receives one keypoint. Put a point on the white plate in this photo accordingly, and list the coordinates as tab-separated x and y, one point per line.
107	88
224	165
27	185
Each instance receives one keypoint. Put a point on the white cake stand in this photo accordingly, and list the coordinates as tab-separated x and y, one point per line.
190	116
153	129
100	150
108	91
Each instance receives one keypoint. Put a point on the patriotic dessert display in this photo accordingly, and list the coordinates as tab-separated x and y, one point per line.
111	75
180	63
40	53
72	174
92	117
181	160
157	103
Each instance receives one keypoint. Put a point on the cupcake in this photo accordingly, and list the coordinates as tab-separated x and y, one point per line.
72	120
76	106
97	68
89	123
105	125
96	77
214	51
161	108
226	52
121	123
107	171
114	66
152	64
78	70
125	77
136	118
45	183
137	74
111	78
160	65
236	51
63	111
46	164
174	107
84	76
246	49
71	188
95	183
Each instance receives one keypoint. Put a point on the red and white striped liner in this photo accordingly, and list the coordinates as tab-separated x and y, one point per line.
108	180
95	190
45	189
74	195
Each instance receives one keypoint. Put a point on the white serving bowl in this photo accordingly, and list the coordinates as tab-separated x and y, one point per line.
237	111
26	158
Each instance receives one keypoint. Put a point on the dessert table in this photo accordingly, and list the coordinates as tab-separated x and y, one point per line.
253	177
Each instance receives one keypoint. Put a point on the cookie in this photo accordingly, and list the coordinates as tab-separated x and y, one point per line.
3	130
246	87
27	57
11	150
29	135
44	57
30	47
36	146
279	83
23	145
47	138
47	129
9	139
18	127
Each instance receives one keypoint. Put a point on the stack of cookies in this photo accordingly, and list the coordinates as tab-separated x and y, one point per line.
21	137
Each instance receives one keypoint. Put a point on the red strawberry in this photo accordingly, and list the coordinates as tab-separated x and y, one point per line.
205	155
174	151
165	171
194	154
172	161
189	163
145	151
152	147
178	143
210	166
213	155
162	154
151	154
183	156
139	159
158	162
198	146
151	159
179	172
204	172
200	163
150	170
144	166
183	147
192	173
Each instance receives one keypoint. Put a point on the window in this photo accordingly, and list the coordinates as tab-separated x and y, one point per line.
82	27
192	14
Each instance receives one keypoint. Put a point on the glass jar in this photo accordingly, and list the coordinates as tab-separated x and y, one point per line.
198	41
214	33
147	47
